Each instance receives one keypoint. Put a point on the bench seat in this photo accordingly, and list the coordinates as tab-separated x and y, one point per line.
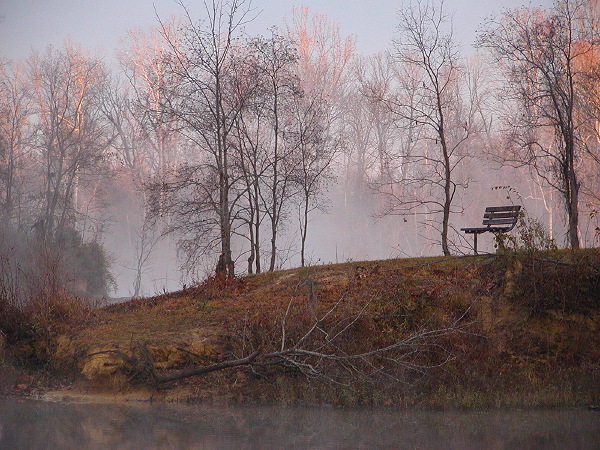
496	219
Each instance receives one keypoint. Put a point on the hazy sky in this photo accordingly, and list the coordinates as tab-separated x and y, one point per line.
99	24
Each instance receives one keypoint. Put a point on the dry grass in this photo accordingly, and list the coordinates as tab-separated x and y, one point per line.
532	341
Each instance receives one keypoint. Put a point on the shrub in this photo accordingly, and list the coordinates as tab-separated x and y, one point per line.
86	265
531	236
45	284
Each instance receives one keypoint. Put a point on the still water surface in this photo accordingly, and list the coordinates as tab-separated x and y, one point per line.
27	424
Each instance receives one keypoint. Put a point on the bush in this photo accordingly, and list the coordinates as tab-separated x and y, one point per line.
565	281
45	284
85	264
531	236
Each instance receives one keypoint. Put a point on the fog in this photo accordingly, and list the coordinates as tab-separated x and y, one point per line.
350	231
30	424
333	142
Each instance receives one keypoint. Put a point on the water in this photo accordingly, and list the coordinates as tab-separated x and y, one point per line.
27	424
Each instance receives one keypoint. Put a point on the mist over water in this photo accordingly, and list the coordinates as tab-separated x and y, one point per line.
32	424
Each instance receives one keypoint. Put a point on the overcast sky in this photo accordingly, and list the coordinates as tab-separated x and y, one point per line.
99	24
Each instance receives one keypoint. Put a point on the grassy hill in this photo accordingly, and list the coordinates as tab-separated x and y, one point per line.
487	331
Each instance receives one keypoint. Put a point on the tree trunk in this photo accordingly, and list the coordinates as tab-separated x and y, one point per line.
274	197
448	194
257	228
303	229
572	198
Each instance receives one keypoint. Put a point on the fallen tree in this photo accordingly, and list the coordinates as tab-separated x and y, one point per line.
324	351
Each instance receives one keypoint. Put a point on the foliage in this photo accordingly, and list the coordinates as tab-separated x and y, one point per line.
41	283
531	236
87	265
569	284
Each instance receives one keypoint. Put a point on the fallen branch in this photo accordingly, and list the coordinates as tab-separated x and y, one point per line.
313	356
195	371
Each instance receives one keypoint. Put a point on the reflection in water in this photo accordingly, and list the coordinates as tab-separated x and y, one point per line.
26	424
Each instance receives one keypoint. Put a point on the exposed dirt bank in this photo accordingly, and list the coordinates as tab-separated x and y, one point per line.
488	331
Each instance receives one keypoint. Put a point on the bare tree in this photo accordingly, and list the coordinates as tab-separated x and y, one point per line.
72	136
324	58
589	113
15	154
276	60
146	139
431	100
144	62
206	98
315	154
539	52
266	159
127	144
53	150
253	163
323	53
375	78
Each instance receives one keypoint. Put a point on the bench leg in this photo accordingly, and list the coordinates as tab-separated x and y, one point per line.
475	243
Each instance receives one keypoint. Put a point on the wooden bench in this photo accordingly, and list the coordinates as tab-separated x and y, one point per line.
497	219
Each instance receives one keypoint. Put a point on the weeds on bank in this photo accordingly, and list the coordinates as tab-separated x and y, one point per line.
523	305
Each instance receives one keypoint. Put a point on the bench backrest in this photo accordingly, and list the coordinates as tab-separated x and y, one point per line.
501	216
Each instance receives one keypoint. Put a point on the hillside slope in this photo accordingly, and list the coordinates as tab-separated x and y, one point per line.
500	330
